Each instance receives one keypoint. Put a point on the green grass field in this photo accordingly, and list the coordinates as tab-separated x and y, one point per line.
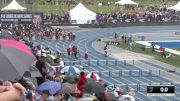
173	60
60	9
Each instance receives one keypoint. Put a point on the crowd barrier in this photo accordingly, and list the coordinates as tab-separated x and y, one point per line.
142	87
109	25
102	62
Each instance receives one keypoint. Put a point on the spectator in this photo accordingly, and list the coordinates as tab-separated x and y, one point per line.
1	82
61	63
30	96
81	84
45	95
41	66
12	92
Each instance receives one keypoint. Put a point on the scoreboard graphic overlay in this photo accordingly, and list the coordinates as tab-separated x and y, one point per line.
160	90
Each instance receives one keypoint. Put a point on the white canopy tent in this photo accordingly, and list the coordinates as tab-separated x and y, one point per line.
13	6
126	2
81	15
175	7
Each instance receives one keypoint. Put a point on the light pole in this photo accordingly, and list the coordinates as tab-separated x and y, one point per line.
5	2
1	4
69	5
59	4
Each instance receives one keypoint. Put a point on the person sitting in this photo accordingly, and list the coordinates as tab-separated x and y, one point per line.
61	63
46	50
118	92
105	51
132	92
57	60
30	96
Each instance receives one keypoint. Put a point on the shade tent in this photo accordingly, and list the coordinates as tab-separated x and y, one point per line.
81	15
126	2
13	6
175	7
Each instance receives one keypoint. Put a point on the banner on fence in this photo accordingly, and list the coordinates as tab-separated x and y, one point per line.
21	17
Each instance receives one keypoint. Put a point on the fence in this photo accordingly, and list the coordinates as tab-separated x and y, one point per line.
102	62
142	87
115	25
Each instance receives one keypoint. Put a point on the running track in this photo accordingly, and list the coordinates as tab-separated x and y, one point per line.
84	42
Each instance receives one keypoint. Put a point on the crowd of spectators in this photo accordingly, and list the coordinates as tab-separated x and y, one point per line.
152	14
29	32
78	83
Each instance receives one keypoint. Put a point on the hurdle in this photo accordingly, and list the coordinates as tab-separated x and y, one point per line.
128	73
132	73
114	74
93	62
102	63
125	73
104	74
84	63
111	62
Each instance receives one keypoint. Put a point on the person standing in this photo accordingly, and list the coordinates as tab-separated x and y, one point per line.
61	63
69	51
105	50
86	55
142	38
81	84
162	51
43	69
153	46
115	36
75	50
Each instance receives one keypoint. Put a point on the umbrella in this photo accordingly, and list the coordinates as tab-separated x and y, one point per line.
71	79
15	59
52	86
93	87
92	75
71	70
67	88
